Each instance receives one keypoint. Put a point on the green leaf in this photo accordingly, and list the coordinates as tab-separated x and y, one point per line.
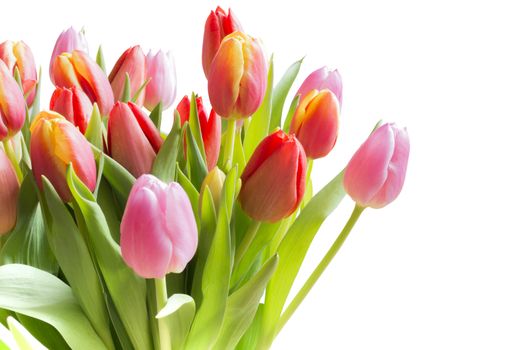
139	92
281	91
156	115
107	203
177	316
100	60
242	306
195	127
293	249
215	282
164	166
119	178
35	293
45	333
94	132
23	338
251	337
290	114
126	92
259	126
239	156
191	191
36	106
27	243
120	280
198	168
7	341
75	261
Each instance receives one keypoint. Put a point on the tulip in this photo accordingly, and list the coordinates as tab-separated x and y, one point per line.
214	181
73	104
158	233
315	122
132	138
237	77
161	88
12	105
56	143
132	62
321	79
79	70
273	181
211	128
375	175
9	189
19	55
68	41
218	26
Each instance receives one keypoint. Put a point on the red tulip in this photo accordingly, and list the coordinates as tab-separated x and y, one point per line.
132	62
56	143
211	128
237	77
273	182
218	26
375	175
315	122
79	70
9	189
132	138
72	104
19	55
12	105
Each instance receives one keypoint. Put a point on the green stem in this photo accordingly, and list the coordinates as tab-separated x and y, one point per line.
229	144
319	269
161	297
10	153
246	241
310	163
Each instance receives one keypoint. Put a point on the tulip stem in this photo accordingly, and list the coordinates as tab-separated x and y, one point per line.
161	298
294	304
246	241
229	144
10	153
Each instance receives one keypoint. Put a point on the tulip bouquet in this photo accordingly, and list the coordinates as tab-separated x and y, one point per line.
117	235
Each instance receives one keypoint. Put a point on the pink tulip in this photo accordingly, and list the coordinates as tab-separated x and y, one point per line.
73	104
19	55
12	105
237	77
375	175
158	233
132	62
160	68
9	189
132	138
320	79
218	26
68	41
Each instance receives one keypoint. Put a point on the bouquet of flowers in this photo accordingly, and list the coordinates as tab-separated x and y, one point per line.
117	235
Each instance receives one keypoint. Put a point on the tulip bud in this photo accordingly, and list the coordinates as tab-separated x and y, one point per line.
132	62
160	69
375	175
211	128
218	26
56	143
79	70
9	189
273	182
132	138
237	77
321	79
73	104
19	55
158	233
68	41
315	123
214	181
12	105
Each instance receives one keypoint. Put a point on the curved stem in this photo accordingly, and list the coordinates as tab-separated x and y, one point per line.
10	153
161	298
246	241
229	144
319	269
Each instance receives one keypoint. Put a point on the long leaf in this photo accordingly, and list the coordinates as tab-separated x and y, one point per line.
281	91
25	340
33	292
177	316
164	166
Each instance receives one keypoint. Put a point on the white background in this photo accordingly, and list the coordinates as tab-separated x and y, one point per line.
449	264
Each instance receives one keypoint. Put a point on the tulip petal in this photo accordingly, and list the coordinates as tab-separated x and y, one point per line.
253	81
9	190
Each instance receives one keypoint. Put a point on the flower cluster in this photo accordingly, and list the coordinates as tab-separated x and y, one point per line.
109	215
